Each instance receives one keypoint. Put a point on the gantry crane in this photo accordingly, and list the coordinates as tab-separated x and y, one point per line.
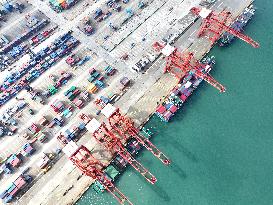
109	140
91	167
216	24
181	63
125	127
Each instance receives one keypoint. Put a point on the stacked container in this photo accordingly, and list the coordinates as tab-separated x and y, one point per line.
92	88
27	149
38	64
60	5
14	160
59	121
57	106
93	75
16	186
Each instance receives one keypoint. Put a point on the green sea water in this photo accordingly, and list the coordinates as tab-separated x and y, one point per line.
221	145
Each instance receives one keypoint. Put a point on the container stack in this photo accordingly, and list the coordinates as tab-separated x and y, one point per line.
112	172
36	66
20	38
169	107
16	186
82	127
94	74
6	168
14	160
119	163
40	37
98	187
57	106
27	150
61	5
20	182
69	135
99	83
59	121
92	88
109	70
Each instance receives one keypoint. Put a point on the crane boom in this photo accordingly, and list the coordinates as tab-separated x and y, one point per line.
217	24
185	62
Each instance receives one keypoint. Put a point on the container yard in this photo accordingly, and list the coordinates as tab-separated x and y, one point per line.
79	80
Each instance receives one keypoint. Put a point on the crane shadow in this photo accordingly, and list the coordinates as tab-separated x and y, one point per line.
160	192
157	189
177	170
183	150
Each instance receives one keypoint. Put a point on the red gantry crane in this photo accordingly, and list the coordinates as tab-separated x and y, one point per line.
109	140
91	167
125	127
216	23
181	63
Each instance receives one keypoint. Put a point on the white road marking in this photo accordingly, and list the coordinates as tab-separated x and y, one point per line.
193	32
220	4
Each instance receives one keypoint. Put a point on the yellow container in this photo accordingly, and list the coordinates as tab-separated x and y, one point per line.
92	88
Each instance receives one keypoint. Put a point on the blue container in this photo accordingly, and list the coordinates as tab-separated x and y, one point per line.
67	133
105	99
8	7
4	194
82	126
72	136
168	105
11	188
8	199
99	83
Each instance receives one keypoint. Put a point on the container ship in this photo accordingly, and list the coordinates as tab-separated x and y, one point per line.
238	25
179	95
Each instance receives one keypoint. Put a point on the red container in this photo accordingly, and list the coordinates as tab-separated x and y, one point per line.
101	78
173	108
161	109
18	181
16	162
76	92
64	5
14	191
21	184
92	70
167	115
183	97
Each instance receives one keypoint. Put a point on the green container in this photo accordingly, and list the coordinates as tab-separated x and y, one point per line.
112	172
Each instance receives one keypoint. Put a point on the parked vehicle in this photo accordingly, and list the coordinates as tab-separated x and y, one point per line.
30	111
